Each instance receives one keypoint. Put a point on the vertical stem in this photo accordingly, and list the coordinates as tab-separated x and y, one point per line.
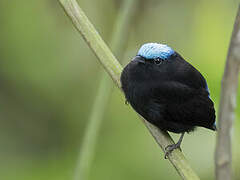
93	39
118	42
223	154
87	148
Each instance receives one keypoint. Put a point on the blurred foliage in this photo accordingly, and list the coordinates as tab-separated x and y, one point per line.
48	80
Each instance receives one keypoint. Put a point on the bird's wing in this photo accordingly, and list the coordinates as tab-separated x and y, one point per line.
172	91
183	72
182	104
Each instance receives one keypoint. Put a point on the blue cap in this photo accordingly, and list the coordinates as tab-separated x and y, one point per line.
155	50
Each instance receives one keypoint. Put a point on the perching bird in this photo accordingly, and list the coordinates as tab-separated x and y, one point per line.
167	91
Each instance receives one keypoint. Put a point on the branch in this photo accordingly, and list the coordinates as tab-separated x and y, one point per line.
118	42
223	154
114	69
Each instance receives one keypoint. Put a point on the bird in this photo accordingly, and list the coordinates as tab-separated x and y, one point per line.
167	91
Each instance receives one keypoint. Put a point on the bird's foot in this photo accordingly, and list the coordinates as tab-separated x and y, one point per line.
126	102
170	148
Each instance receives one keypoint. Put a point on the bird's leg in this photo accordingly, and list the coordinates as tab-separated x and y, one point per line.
171	147
126	102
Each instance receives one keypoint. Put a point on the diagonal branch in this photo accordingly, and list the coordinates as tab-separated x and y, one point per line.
118	43
112	66
223	155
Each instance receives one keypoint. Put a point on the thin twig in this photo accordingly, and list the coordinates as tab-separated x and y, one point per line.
118	42
114	69
223	155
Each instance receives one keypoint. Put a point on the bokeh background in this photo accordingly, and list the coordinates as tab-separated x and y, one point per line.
49	77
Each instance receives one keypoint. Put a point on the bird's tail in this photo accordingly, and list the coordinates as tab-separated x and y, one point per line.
214	127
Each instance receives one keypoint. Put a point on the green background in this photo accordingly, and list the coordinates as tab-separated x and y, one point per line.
49	77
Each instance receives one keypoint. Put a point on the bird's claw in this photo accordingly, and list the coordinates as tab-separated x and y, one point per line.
170	148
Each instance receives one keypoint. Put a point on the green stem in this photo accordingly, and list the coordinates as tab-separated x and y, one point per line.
112	66
118	42
93	39
91	134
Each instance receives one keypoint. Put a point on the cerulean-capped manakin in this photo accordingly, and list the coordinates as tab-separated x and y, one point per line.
167	91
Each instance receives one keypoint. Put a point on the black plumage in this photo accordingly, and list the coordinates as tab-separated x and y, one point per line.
168	92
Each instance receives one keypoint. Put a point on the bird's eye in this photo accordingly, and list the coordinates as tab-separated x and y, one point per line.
157	61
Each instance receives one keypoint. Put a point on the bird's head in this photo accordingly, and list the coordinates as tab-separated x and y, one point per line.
153	53
153	58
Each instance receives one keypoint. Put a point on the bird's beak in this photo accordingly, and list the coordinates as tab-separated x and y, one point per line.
139	59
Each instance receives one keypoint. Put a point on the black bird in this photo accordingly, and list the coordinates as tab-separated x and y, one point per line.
167	91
